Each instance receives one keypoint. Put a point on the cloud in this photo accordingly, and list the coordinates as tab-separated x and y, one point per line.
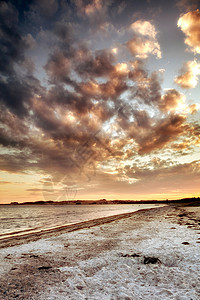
46	8
14	163
139	72
114	75
144	28
96	11
144	41
193	108
161	134
164	176
99	65
17	85
141	47
58	67
142	119
148	87
16	94
189	77
188	5
189	23
121	7
151	134
13	44
89	8
114	88
64	31
93	7
171	100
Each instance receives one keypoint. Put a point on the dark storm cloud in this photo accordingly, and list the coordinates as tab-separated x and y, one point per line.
159	135
64	31
12	44
12	122
16	93
96	66
70	101
142	119
58	68
7	141
14	163
149	89
13	130
14	137
15	90
46	8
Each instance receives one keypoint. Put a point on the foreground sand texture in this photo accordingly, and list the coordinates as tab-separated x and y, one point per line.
107	261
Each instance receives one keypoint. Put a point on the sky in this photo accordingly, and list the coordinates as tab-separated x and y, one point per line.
99	99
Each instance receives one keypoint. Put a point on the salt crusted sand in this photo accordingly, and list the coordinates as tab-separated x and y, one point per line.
107	261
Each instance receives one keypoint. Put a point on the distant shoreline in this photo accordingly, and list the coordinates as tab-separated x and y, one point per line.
191	201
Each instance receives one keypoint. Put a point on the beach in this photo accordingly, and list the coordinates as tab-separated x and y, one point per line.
149	254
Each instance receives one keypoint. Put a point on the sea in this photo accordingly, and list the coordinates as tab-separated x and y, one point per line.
17	220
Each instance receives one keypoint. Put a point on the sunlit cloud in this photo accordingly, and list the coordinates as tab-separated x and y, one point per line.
144	41
190	25
144	28
114	50
189	77
121	68
172	100
141	47
193	108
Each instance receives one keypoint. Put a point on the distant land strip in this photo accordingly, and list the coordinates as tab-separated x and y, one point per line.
104	201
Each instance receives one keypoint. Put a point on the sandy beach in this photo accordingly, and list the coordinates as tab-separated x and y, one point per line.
151	254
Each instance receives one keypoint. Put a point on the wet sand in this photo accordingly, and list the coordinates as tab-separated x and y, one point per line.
110	260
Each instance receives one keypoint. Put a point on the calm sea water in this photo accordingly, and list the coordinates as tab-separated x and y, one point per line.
19	219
